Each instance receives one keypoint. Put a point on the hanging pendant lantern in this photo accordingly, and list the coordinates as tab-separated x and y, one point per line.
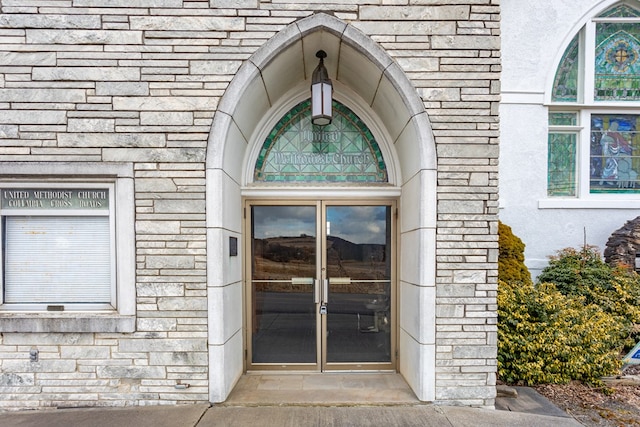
321	92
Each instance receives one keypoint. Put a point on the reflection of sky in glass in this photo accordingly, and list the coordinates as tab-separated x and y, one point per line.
358	224
284	221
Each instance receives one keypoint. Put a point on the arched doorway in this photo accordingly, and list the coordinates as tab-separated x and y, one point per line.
268	84
320	273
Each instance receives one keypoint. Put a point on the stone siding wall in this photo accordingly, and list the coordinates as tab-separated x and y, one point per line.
139	82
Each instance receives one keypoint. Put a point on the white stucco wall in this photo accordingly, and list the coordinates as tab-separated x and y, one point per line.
535	35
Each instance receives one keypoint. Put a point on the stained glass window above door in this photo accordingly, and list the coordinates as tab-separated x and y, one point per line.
296	151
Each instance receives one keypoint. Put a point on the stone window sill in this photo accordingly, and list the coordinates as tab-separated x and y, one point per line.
68	322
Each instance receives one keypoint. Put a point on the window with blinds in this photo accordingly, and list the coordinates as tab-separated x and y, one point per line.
57	260
58	247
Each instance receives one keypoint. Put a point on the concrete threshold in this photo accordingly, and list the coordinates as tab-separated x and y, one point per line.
321	389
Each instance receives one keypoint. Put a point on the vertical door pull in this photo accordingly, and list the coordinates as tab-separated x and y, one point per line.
325	291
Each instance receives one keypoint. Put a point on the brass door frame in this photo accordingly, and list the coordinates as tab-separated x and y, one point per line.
321	364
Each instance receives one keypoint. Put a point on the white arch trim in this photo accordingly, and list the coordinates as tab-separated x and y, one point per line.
262	84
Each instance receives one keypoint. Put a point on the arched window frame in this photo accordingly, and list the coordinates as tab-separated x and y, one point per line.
571	174
351	100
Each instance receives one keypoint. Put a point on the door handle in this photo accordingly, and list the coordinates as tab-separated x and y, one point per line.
316	291
325	291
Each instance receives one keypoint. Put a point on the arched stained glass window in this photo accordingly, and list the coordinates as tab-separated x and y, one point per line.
620	11
596	108
617	62
345	151
565	85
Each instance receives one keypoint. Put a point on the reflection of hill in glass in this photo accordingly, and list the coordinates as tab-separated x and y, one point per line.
356	251
287	249
281	258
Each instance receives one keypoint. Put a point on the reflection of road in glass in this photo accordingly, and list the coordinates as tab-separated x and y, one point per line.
286	330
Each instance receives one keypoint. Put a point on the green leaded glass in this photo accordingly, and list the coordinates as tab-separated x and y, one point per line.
621	11
561	180
563	119
344	151
614	153
565	84
617	61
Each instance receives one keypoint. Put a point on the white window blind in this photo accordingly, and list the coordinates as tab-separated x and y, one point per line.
57	259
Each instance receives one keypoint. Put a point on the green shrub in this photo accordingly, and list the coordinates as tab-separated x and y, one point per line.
547	337
570	326
511	266
583	273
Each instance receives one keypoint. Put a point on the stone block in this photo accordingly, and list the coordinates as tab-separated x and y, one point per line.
131	372
101	140
158	325
15	59
161	118
470	276
91	125
44	365
160	289
164	103
86	73
174	261
440	94
406	28
80	37
414	13
157	227
162	345
180	358
171	4
479	179
461	206
233	4
179	206
8	131
49	21
449	311
215	67
35	339
85	352
10	379
170	155
475	352
122	88
465	42
182	304
33	117
43	96
467	151
187	23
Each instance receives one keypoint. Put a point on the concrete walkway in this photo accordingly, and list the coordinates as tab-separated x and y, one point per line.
311	400
284	416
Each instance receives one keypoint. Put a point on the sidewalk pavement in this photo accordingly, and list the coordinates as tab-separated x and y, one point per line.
538	412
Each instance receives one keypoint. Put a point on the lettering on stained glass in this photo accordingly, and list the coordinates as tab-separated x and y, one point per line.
54	198
344	151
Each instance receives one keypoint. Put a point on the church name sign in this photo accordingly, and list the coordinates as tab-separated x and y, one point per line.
51	198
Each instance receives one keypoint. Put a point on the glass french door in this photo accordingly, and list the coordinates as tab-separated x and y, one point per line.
320	293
